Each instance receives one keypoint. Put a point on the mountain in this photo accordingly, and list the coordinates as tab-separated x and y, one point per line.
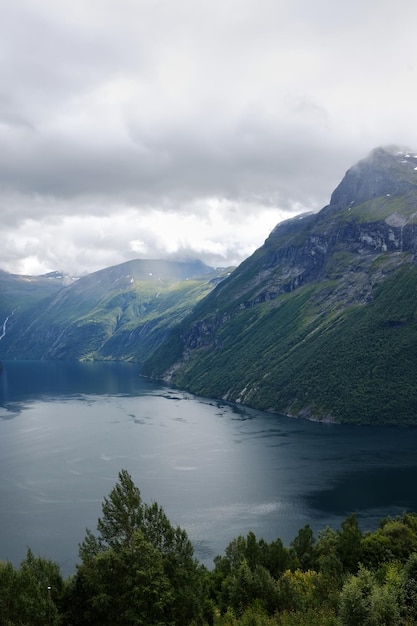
321	321
18	292
122	312
15	289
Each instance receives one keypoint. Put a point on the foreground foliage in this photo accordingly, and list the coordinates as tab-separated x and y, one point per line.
140	570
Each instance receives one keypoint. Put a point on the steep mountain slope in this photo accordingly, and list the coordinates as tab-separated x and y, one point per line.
321	321
121	312
21	291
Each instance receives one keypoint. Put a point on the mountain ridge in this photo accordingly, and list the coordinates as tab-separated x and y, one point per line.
317	277
118	312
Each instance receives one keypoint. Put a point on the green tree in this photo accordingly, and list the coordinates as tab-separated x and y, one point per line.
275	557
384	609
139	569
123	586
32	594
302	547
246	587
328	563
376	549
8	593
402	536
312	617
409	589
355	599
235	553
299	590
248	572
349	544
123	513
366	602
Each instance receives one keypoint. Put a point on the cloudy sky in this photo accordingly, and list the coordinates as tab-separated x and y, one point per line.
155	128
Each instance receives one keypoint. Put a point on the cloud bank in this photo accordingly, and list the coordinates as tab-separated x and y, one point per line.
152	128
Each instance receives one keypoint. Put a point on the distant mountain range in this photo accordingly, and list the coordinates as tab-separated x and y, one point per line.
320	322
122	312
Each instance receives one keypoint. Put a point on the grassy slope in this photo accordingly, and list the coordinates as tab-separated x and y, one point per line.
109	315
145	322
356	365
21	292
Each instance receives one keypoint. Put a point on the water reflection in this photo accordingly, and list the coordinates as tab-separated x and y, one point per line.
359	491
33	380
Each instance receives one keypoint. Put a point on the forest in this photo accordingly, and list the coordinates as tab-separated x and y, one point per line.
138	569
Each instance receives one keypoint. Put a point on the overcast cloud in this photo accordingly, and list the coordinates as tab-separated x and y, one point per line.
154	128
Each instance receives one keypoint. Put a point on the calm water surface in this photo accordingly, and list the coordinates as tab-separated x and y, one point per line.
66	430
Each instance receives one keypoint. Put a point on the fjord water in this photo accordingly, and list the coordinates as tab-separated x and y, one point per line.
66	430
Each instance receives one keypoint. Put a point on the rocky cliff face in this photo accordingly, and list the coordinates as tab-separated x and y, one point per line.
372	211
339	242
385	172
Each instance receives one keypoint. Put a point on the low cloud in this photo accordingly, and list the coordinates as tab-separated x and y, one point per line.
133	128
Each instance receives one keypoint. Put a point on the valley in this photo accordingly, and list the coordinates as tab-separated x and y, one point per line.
320	322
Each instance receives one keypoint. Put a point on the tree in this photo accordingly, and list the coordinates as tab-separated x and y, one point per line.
123	586
376	549
8	596
123	513
30	595
302	547
355	599
384	609
139	569
409	588
366	602
349	543
274	557
247	573
402	537
299	590
247	586
328	562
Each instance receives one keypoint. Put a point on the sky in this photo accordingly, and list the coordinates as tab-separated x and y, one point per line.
188	128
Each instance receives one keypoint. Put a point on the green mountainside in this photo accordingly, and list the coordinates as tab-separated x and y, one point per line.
321	321
20	292
122	312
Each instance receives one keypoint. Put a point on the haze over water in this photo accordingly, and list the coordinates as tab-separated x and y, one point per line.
66	430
